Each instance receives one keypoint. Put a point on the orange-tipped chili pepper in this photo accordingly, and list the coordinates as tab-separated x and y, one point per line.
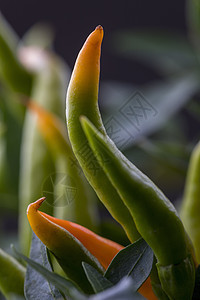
82	99
101	248
68	250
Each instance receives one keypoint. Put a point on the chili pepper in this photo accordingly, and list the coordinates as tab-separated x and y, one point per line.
48	91
11	276
82	98
191	201
11	71
154	215
68	251
101	248
78	206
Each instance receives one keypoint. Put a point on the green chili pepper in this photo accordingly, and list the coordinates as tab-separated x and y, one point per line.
155	217
37	165
11	70
82	98
12	276
191	201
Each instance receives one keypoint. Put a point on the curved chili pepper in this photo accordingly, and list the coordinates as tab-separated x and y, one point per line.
12	276
154	215
191	201
68	251
82	98
101	248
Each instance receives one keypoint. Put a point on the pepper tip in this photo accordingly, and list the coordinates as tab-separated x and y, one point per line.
35	205
99	27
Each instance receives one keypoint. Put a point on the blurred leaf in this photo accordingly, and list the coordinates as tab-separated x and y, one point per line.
145	112
194	109
36	286
135	260
172	155
64	285
123	290
113	231
96	279
193	20
12	73
167	52
40	35
12	275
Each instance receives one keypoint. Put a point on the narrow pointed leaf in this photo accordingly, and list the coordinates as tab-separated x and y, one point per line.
135	260
35	281
96	279
64	285
123	290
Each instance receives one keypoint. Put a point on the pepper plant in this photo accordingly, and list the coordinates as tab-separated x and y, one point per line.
67	259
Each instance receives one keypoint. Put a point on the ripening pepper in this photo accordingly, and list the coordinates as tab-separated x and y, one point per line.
191	201
12	275
68	250
101	248
82	99
75	207
154	215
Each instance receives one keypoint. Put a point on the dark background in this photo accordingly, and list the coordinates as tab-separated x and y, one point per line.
74	20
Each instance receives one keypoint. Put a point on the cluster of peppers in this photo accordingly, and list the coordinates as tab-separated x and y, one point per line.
131	197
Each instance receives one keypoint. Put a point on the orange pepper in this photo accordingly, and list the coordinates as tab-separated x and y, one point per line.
46	227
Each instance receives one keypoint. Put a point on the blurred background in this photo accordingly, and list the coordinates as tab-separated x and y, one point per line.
150	64
72	21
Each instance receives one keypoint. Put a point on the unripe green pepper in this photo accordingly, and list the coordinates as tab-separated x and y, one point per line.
191	201
82	99
12	275
155	217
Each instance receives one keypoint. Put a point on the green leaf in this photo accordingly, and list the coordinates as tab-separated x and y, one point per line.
96	279
135	260
193	20
123	290
35	282
12	275
65	286
12	72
